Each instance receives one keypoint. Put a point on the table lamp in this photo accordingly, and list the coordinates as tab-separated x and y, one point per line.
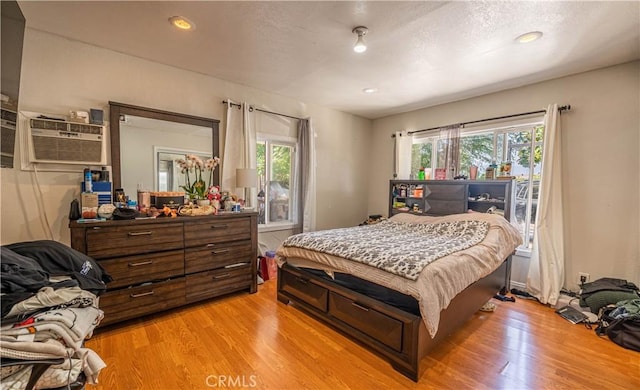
246	178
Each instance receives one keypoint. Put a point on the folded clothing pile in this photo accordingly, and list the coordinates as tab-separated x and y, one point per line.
606	291
49	298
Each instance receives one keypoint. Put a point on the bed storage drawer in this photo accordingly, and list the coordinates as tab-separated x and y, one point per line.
304	289
377	325
133	302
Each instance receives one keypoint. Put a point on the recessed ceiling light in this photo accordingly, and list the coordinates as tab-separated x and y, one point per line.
182	23
529	37
370	90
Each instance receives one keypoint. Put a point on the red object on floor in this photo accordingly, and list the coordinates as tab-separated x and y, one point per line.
264	268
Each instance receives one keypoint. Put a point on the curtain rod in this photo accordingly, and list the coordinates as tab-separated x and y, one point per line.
251	108
232	104
561	108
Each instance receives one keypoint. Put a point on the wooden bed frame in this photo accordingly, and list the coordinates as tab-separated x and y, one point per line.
398	336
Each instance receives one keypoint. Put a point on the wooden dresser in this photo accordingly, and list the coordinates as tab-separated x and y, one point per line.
163	263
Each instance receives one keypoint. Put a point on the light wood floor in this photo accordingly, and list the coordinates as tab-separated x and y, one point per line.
244	341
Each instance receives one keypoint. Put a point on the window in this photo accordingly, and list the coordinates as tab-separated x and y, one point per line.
277	195
516	144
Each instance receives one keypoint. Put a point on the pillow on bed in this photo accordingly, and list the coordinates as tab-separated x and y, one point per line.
58	259
411	218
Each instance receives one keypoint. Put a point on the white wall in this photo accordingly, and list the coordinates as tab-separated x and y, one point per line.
59	75
600	137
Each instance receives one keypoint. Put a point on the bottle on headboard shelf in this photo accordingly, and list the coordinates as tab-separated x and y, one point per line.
490	173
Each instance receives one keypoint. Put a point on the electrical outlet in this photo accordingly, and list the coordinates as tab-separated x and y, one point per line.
583	277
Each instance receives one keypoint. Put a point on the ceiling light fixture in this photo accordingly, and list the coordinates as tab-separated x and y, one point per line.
370	90
182	23
529	37
360	46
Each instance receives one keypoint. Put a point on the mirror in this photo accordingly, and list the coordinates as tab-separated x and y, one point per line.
145	144
12	26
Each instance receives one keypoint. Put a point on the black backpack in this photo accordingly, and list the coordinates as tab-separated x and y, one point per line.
622	331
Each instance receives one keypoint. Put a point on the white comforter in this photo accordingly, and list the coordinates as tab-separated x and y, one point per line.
440	281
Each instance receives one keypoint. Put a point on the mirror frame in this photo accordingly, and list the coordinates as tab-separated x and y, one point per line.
117	109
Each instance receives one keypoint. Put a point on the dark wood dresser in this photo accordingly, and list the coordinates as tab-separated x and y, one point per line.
163	263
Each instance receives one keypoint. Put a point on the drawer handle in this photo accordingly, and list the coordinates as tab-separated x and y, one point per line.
221	276
219	226
360	306
210	245
132	234
220	251
303	281
141	294
141	263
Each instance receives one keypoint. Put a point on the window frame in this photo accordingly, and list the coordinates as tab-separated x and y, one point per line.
271	140
504	129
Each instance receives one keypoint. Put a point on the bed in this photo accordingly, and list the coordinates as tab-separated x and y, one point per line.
400	286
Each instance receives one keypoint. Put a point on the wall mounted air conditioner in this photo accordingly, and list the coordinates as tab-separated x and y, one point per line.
60	142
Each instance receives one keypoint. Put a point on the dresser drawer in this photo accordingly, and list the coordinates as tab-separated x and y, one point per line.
304	289
447	191
131	270
137	301
211	232
221	281
115	241
211	256
381	327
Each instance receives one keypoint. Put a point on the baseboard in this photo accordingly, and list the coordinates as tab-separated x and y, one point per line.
519	286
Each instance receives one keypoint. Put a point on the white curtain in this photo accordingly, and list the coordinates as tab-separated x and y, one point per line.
402	153
233	156
546	269
306	140
249	151
450	136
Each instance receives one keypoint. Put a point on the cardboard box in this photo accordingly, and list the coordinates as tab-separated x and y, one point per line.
89	203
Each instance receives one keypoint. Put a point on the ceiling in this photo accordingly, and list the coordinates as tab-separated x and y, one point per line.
420	53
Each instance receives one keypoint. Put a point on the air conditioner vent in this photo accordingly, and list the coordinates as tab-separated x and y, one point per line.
53	141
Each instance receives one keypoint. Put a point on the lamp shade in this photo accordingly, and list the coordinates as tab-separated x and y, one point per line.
246	178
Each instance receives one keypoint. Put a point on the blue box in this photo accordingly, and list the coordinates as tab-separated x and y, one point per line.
103	189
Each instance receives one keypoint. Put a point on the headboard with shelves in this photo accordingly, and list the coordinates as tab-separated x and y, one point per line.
444	197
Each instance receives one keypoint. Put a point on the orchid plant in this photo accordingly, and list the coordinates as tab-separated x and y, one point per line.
196	171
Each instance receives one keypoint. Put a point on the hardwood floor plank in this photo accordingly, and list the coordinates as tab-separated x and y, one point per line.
254	341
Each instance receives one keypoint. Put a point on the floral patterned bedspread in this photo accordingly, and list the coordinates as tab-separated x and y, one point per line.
400	248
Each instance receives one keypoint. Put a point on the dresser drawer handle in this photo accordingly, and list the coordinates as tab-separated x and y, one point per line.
141	263
219	226
132	234
141	294
220	251
210	245
221	276
303	281
360	306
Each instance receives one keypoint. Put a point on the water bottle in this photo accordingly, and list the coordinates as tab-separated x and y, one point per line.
87	180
